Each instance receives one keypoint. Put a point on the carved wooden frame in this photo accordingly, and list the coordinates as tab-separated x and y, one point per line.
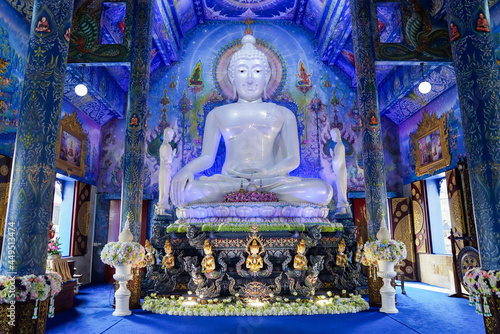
429	124
72	126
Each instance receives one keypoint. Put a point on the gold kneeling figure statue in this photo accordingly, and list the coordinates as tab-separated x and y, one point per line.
150	257
300	261
168	261
254	260
208	262
341	258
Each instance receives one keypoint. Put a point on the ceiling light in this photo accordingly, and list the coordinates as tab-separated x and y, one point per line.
425	86
81	89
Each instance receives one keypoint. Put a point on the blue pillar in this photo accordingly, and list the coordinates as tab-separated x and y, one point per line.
137	109
32	186
363	34
478	87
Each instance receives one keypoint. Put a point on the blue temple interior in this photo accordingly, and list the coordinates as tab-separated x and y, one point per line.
311	44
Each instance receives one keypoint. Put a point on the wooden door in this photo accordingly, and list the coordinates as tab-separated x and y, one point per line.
420	217
402	230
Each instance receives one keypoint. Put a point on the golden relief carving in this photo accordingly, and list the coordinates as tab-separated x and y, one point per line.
404	207
430	144
403	233
418	217
395	203
416	185
398	214
83	219
4	170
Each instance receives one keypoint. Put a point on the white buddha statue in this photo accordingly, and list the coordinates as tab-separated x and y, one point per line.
167	154
339	168
261	142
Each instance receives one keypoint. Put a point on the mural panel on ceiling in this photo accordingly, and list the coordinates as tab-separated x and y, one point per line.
446	106
312	16
14	33
186	14
426	34
91	151
91	44
240	10
318	96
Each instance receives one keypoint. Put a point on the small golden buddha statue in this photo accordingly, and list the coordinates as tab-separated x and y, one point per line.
168	261
208	262
341	258
254	260
359	250
300	261
150	257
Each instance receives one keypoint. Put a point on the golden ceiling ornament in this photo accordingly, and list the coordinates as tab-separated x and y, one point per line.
418	217
431	134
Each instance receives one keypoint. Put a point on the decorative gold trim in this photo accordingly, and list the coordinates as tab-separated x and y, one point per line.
429	124
418	217
71	125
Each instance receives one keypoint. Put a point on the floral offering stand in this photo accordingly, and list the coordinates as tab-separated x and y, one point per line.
123	255
484	293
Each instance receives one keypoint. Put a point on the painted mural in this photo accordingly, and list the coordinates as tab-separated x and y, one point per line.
93	132
181	99
447	106
14	34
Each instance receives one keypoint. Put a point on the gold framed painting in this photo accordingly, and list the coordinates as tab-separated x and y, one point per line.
430	144
71	146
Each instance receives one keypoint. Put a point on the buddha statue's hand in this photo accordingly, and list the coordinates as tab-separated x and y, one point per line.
250	173
181	182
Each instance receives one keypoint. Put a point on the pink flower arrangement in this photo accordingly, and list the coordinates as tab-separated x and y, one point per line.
250	196
53	247
29	287
482	282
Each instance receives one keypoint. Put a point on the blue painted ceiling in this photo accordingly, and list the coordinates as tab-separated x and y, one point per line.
329	22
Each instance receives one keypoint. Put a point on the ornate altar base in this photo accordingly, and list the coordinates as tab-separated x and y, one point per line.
246	253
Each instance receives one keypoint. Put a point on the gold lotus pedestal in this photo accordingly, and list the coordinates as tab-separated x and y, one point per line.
23	321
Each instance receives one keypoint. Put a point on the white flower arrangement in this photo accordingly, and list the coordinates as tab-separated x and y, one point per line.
29	287
172	306
383	250
123	253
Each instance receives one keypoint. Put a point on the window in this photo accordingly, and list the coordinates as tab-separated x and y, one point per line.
439	214
62	214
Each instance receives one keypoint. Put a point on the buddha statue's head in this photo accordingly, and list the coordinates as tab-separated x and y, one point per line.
168	134
341	247
254	247
167	247
148	247
249	71
301	247
207	247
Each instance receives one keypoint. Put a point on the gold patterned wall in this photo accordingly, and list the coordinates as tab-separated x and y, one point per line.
456	205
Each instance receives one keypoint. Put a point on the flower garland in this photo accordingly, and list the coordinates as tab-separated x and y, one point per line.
482	283
383	250
29	287
225	306
122	253
250	196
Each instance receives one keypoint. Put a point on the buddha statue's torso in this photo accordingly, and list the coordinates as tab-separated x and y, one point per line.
250	131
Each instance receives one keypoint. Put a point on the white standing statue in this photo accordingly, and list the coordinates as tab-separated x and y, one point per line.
167	154
261	142
339	168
